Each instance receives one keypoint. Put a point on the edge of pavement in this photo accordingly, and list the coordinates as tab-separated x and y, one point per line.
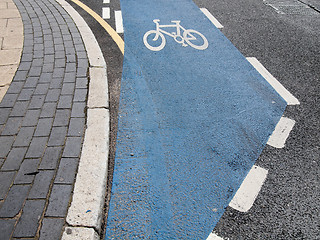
86	209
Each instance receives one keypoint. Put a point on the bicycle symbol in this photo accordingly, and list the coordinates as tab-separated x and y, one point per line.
189	37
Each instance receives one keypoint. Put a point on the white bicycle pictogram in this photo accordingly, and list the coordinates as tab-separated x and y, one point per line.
189	37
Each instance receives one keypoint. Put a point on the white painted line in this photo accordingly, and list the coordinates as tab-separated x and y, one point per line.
211	18
106	13
119	23
249	189
280	134
283	92
213	236
106	1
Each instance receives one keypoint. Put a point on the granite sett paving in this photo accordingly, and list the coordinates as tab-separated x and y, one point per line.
42	118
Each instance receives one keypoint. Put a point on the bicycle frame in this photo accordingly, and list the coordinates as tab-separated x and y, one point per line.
173	34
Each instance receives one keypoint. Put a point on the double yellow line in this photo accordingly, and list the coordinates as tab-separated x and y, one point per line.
114	35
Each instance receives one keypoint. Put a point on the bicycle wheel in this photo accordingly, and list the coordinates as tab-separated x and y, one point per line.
155	44
195	39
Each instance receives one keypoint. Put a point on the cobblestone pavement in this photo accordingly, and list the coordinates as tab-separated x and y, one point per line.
42	121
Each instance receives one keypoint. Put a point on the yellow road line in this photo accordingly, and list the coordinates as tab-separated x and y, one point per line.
114	35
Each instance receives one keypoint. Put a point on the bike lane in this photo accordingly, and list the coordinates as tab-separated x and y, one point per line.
191	125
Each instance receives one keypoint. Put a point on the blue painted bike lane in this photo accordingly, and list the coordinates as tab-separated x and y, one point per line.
193	119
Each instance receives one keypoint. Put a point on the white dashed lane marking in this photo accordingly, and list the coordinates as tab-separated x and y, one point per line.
106	13
249	189
211	18
214	236
119	24
283	92
281	133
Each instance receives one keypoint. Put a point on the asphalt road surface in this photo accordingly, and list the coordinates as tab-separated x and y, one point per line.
284	37
287	43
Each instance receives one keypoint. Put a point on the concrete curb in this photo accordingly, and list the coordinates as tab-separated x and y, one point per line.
86	209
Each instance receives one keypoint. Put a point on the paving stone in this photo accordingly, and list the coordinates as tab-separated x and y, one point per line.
41	184
82	72
68	44
48	58
51	158
28	223
31	82
44	127
58	72
83	63
65	102
66	37
80	95
70	54
1	161
15	87
24	137
6	179
19	109
59	200
37	147
53	95
12	126
34	71
8	100
70	77
51	228
37	102
38	54
67	170
80	51
62	118
48	67
20	75
14	201
41	89
48	109
82	82
37	62
14	159
71	67
45	77
57	136
58	47
27	171
72	147
76	127
4	114
27	49
6	228
24	66
5	145
49	50
78	109
25	94
56	83
67	89
60	62
27	57
57	39
31	118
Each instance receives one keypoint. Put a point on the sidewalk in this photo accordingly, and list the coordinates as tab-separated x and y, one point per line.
43	117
